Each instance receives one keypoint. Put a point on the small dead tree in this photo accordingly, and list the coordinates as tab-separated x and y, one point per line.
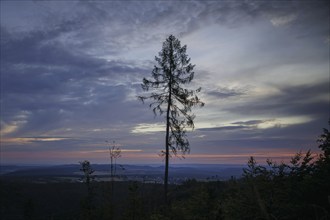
88	177
114	153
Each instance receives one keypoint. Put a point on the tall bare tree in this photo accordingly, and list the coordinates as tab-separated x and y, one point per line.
167	94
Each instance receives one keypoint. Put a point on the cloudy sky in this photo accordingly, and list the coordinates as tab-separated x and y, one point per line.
71	71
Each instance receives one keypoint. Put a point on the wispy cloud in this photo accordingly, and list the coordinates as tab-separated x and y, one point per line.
283	20
107	151
148	128
223	93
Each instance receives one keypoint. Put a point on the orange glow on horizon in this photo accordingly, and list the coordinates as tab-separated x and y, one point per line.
138	156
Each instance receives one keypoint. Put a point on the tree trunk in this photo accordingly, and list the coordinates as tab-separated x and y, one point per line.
167	147
167	150
167	144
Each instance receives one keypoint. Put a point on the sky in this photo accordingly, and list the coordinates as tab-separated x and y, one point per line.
71	72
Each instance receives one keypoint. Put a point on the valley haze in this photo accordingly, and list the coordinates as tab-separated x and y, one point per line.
127	172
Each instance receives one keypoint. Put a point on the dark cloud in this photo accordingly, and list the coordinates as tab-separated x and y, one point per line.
240	139
308	100
222	128
58	86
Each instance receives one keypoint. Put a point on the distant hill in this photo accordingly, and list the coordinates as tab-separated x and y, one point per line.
182	171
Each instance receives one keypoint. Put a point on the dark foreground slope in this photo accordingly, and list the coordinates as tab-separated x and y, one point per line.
297	190
301	191
120	200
